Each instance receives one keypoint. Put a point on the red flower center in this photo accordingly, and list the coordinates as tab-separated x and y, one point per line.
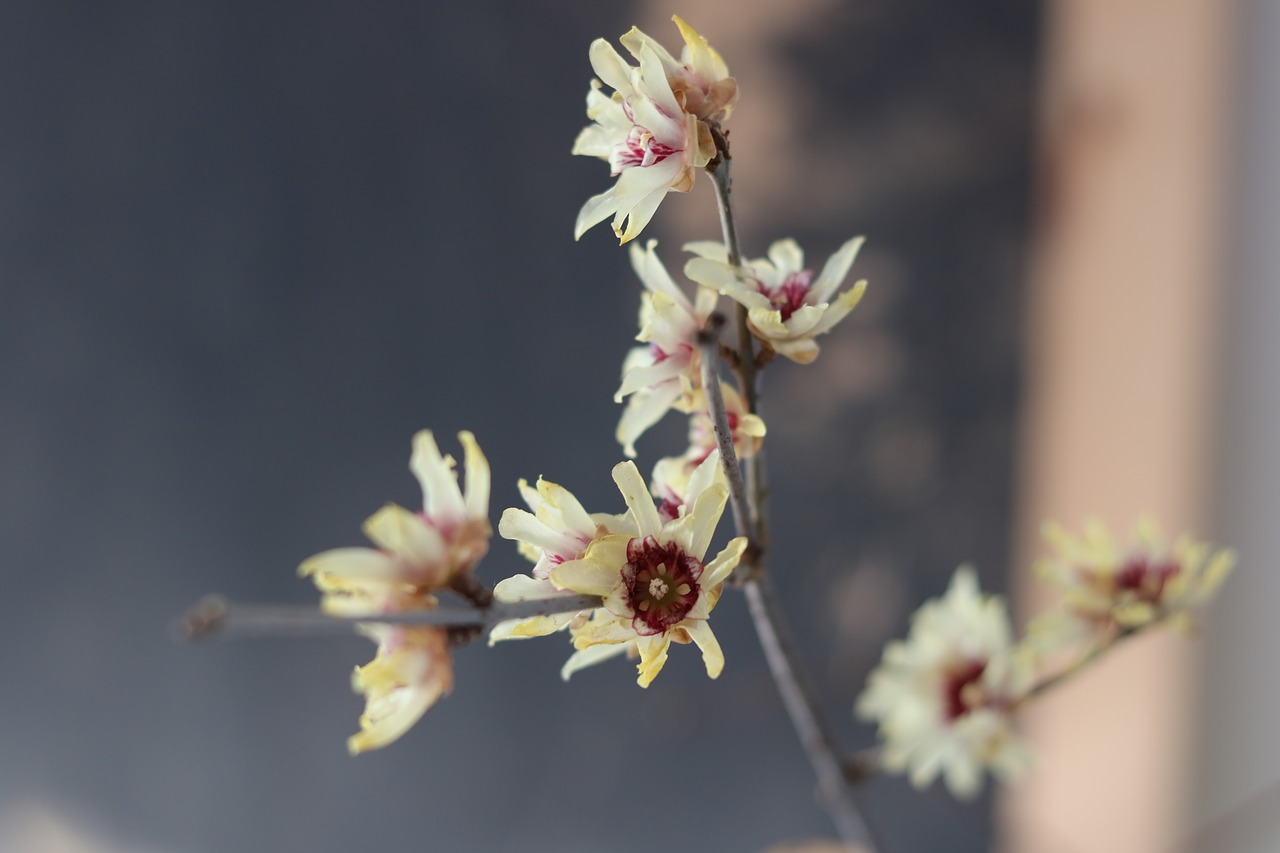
640	148
789	296
1145	578
662	584
961	689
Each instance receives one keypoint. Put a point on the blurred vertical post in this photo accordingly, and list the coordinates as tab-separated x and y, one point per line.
1238	772
1120	387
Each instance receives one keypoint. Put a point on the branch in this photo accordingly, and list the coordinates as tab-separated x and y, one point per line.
214	616
743	515
810	724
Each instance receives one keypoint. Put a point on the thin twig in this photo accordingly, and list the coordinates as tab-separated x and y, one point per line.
816	734
708	342
810	724
214	616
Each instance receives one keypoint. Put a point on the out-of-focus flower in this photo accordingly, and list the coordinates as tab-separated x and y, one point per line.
748	429
943	697
557	529
1106	586
653	131
417	554
664	374
786	306
656	588
411	670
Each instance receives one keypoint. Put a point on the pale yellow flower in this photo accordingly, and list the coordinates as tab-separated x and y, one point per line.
664	374
417	554
653	131
786	306
1107	586
943	697
656	588
557	529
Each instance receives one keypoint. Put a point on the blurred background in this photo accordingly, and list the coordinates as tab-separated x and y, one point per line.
247	250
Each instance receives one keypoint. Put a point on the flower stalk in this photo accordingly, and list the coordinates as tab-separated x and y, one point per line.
815	732
215	616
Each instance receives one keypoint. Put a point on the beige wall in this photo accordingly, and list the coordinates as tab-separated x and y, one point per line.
1122	358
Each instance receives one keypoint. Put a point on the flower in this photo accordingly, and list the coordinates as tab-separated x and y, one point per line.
748	429
558	529
411	670
417	554
654	130
678	481
665	374
786	307
943	698
1107	587
656	588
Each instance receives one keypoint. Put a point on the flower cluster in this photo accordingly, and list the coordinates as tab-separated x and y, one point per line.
416	555
650	573
945	698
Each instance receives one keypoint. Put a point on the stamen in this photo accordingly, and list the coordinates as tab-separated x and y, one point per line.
684	589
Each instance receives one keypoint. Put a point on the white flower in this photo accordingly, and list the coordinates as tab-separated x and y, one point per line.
557	529
944	697
664	374
786	306
649	132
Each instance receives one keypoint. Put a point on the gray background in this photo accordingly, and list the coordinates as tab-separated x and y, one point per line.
247	250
